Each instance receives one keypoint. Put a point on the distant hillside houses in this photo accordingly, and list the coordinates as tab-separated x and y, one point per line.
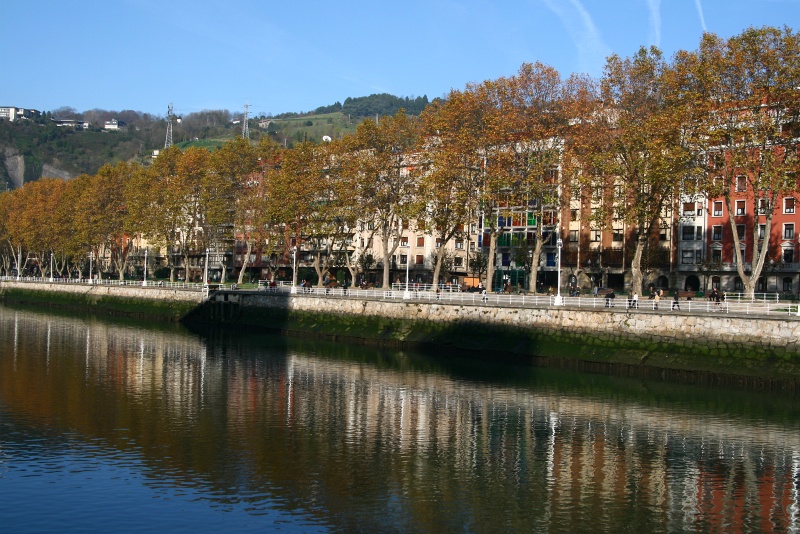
12	113
78	124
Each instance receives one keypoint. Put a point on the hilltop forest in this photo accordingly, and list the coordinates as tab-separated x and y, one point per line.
32	149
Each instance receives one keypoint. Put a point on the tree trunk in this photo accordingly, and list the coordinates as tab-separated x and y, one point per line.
387	256
245	261
636	265
490	267
537	260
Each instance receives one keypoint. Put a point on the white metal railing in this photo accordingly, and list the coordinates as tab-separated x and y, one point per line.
768	304
156	284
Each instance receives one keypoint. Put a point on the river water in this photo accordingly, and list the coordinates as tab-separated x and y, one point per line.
115	426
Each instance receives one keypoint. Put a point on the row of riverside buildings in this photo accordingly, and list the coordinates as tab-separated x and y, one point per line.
692	249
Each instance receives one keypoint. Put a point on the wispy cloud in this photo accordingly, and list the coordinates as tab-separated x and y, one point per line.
592	50
699	6
654	6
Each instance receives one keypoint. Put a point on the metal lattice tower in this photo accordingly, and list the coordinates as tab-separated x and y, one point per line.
168	141
245	126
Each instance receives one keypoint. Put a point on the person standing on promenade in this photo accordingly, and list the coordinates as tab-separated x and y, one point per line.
675	303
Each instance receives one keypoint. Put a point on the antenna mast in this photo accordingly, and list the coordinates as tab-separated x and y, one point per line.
168	141
245	126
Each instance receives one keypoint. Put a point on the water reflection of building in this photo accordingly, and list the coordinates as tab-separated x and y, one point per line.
695	470
554	457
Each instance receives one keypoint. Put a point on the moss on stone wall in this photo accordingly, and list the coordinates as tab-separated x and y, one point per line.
493	339
114	305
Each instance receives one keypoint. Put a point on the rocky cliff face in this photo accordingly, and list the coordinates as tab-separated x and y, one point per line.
12	169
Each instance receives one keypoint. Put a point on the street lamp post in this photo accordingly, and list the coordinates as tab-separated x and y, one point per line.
144	280
407	293
51	267
559	300
91	257
205	270
294	269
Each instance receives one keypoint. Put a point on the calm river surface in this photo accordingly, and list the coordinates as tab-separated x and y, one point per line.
113	426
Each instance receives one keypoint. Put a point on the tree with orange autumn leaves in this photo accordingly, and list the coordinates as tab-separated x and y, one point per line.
627	145
743	97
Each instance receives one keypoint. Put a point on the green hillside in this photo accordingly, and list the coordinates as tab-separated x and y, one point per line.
31	149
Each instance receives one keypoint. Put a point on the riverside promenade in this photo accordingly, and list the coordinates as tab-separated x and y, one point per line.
768	306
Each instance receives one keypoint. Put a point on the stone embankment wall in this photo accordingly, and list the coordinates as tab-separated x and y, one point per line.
754	346
718	342
171	304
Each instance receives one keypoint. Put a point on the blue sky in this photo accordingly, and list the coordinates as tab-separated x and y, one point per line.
297	56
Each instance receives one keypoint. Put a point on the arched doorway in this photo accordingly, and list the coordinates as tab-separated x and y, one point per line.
662	282
692	283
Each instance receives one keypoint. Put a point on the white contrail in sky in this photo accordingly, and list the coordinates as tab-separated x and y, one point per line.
655	21
592	51
700	14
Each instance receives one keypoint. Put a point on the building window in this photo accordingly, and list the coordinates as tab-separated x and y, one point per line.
699	234
740	231
595	235
419	259
716	256
663	234
787	284
404	241
741	183
472	245
616	235
698	256
762	206
458	262
403	259
688	209
687	257
737	284
420	241
788	231
717	209
574	215
741	207
405	225
788	205
687	233
715	282
460	244
788	255
716	233
438	242
762	231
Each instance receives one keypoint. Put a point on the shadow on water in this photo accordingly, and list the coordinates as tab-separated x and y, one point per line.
736	368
